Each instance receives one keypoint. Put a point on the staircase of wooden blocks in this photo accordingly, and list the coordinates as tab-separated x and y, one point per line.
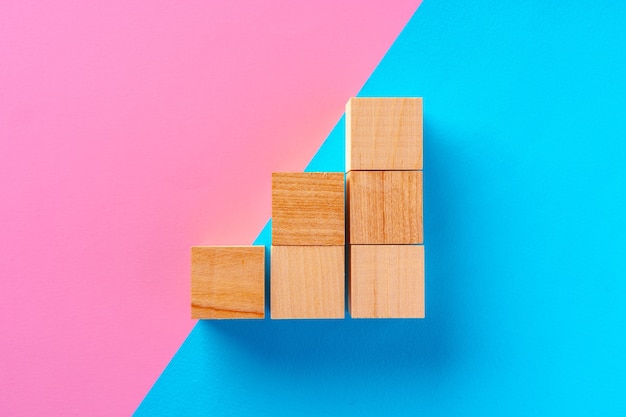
382	237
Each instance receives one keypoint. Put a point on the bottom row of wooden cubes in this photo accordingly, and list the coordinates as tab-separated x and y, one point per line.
384	281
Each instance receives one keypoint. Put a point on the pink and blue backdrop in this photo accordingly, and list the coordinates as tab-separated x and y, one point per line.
130	131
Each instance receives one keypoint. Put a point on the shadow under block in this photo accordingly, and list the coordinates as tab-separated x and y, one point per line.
228	282
386	281
308	208
307	282
385	207
384	134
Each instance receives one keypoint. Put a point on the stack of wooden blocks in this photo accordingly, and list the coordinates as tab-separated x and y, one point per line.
308	267
308	245
384	164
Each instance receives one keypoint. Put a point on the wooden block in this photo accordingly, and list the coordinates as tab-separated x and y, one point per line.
308	209
307	282
386	281
227	282
384	134
385	207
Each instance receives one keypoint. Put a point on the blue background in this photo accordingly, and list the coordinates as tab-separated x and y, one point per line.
524	204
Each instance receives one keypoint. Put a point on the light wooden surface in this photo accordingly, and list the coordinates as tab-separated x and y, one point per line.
386	281
384	134
227	282
308	208
385	207
307	282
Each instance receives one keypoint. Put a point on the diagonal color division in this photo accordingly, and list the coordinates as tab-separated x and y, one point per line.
524	196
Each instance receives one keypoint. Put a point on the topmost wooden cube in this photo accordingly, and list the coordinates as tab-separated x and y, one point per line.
384	134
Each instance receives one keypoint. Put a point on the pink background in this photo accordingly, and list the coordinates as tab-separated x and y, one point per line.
130	131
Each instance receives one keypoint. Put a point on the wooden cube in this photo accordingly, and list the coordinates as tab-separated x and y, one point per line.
308	209
385	207
386	281
384	134
227	282
307	282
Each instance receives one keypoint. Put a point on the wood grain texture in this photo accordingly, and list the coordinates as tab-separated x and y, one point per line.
307	282
385	207
386	281
227	282
308	208
384	134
